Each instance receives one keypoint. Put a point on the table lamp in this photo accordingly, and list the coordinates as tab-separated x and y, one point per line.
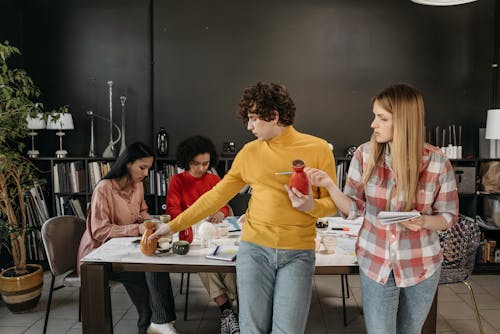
34	123
493	132
60	122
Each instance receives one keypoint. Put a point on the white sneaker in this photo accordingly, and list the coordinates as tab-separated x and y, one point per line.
167	328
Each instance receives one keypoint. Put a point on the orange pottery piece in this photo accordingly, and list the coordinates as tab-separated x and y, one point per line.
148	247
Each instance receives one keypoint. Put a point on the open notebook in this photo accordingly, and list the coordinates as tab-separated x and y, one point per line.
223	253
391	217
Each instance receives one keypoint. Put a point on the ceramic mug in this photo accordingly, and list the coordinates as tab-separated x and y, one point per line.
181	247
164	244
165	218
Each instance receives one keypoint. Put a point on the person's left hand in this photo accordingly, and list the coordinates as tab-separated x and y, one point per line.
414	224
216	218
299	200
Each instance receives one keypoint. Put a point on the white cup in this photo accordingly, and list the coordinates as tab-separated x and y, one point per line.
330	244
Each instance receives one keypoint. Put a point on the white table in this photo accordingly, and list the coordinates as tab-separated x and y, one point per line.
121	254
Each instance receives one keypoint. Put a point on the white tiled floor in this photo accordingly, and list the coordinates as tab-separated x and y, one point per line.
325	315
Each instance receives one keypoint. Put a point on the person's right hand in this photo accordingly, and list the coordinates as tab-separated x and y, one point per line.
162	230
298	200
319	178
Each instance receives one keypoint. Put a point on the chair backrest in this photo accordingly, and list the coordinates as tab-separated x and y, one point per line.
459	244
61	239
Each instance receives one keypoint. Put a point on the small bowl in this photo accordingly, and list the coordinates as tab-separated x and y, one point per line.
164	244
181	247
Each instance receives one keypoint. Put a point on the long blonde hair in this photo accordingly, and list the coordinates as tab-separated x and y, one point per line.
406	105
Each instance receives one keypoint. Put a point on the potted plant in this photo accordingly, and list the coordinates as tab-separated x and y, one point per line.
17	175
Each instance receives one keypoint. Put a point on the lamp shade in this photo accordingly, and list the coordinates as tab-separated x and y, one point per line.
64	122
35	123
442	2
493	124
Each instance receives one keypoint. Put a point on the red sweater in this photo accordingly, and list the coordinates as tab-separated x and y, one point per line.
184	190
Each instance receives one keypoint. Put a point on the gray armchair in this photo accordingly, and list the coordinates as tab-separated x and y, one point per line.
61	239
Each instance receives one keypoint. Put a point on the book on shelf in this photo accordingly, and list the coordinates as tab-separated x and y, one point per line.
487	251
223	253
36	215
77	208
77	176
68	205
40	203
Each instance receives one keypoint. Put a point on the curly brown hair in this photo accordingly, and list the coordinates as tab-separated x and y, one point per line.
265	98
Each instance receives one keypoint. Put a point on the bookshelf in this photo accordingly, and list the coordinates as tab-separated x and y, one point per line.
71	180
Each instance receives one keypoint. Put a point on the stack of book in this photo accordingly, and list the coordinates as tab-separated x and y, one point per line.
37	213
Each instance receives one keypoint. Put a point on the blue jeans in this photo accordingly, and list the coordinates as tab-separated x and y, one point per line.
390	310
274	288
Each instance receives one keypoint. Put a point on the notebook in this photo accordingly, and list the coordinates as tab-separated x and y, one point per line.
223	253
391	217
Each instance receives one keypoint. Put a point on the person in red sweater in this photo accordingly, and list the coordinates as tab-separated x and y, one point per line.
197	155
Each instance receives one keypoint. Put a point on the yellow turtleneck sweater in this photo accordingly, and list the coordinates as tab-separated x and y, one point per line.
271	221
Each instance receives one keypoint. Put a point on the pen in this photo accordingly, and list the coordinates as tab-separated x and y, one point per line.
216	250
341	229
283	173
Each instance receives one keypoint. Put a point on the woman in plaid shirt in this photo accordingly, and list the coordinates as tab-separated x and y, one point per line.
396	171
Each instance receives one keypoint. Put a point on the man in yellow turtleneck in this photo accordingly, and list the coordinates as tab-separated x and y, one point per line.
276	256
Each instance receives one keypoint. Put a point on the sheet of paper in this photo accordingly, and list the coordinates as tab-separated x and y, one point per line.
348	227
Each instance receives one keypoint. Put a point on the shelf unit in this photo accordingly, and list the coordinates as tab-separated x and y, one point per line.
155	201
472	205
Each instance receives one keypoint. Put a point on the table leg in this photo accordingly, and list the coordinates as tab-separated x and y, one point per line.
430	323
343	299
96	299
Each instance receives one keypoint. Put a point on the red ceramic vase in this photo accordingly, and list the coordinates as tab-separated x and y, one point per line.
299	180
187	235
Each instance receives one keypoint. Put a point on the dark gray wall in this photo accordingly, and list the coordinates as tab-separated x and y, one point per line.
332	55
184	64
66	43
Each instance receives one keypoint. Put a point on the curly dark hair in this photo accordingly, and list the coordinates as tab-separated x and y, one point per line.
264	98
191	147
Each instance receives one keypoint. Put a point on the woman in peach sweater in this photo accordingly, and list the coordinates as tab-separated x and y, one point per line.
118	209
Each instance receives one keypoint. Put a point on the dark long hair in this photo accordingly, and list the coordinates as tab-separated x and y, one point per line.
132	153
191	147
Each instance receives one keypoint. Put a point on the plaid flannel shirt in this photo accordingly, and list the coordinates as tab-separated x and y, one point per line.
412	256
